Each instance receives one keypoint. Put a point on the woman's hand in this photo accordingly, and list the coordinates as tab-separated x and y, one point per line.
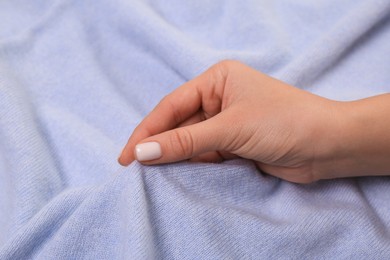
232	110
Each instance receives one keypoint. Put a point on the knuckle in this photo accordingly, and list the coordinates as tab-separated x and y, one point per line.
220	72
228	64
227	69
224	67
182	143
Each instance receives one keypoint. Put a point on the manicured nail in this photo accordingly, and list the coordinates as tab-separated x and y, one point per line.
148	151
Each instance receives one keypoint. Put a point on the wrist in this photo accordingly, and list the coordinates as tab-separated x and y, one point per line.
359	142
333	156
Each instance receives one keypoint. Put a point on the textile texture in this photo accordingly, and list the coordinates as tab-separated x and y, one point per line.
76	77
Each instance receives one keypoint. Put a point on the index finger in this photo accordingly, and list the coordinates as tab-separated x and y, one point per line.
203	92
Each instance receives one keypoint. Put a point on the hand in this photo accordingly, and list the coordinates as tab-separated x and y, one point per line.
232	111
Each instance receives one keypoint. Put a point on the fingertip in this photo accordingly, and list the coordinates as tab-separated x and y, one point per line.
124	159
121	161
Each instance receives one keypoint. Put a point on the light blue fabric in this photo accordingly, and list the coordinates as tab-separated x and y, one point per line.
77	76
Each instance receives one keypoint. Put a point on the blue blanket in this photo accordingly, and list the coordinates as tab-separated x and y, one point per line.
76	77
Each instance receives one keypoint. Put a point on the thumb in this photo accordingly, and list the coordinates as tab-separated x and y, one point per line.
183	142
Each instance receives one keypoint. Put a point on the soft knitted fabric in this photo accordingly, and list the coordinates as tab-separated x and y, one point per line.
76	77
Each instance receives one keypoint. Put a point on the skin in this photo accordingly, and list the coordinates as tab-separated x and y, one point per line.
232	110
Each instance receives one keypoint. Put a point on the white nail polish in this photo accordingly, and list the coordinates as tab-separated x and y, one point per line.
148	151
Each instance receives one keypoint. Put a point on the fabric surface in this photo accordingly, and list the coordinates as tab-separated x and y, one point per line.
76	77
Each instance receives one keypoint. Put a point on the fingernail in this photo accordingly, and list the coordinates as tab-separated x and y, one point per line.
148	151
